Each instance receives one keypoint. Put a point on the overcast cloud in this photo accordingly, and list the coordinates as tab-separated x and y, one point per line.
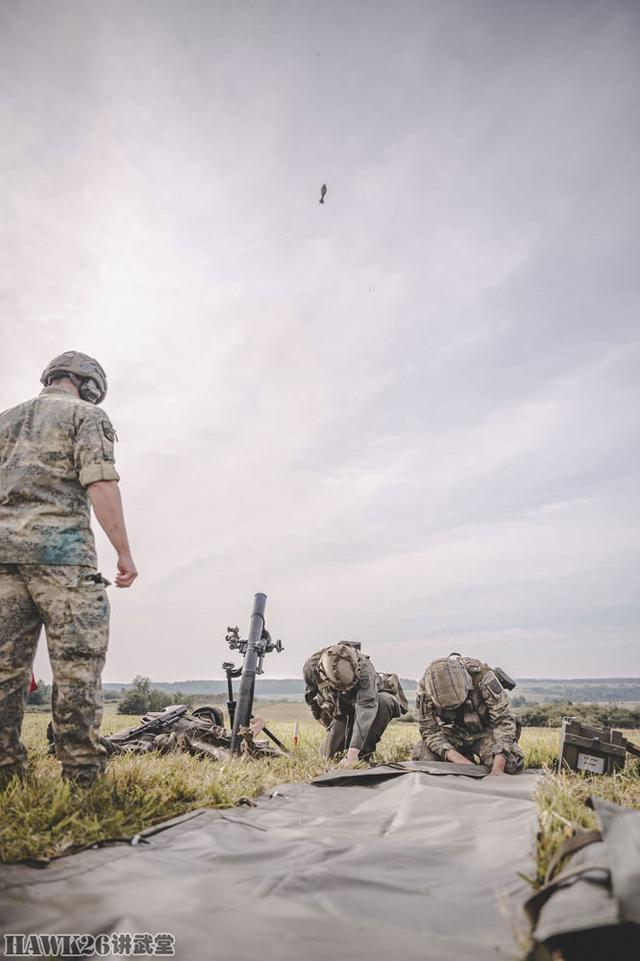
410	415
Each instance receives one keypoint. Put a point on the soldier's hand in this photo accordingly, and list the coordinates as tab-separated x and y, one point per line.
127	571
350	758
257	724
499	763
457	758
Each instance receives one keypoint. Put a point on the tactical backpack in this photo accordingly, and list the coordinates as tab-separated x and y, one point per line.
390	683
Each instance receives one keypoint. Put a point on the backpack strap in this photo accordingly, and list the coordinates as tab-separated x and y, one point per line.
575	843
478	670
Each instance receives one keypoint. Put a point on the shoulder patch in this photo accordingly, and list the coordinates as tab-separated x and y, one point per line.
365	682
495	686
109	432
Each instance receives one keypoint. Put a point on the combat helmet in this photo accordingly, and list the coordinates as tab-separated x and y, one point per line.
448	681
340	665
85	372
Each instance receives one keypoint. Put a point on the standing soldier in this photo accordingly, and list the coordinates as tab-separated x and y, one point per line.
56	456
463	711
351	700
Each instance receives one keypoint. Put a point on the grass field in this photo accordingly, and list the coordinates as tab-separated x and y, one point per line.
43	817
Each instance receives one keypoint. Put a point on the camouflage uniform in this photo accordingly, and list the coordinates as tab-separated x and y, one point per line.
357	718
51	449
483	725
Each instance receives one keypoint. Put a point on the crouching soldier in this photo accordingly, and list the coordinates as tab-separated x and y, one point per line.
463	713
351	700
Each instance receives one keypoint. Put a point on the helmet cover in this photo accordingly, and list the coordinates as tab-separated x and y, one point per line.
447	681
85	372
339	664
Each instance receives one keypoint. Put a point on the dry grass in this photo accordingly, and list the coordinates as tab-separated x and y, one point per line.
44	817
561	797
562	810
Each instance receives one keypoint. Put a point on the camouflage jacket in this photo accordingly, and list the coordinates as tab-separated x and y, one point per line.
51	449
485	711
359	705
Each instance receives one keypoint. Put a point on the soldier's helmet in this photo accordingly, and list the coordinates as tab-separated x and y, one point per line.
85	372
448	682
340	666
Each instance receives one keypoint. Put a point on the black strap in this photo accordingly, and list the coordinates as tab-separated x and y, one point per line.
575	843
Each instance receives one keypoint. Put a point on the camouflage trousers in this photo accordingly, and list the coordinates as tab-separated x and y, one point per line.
482	746
339	732
74	610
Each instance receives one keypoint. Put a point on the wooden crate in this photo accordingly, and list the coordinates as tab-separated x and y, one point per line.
595	750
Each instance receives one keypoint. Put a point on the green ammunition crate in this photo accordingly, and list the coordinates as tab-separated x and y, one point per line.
596	750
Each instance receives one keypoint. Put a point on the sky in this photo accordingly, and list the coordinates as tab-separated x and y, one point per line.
408	415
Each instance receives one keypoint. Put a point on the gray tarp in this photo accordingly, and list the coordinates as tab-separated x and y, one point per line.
413	867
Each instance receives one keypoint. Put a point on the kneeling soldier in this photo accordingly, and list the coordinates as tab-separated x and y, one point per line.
463	710
350	699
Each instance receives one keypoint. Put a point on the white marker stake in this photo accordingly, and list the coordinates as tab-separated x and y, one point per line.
296	734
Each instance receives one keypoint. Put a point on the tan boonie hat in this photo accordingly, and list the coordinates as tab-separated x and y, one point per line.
447	682
340	665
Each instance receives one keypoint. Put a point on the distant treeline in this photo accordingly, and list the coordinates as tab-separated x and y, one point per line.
269	686
264	686
599	715
527	681
604	690
142	697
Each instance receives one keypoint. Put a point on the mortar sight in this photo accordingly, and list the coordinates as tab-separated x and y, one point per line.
264	645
